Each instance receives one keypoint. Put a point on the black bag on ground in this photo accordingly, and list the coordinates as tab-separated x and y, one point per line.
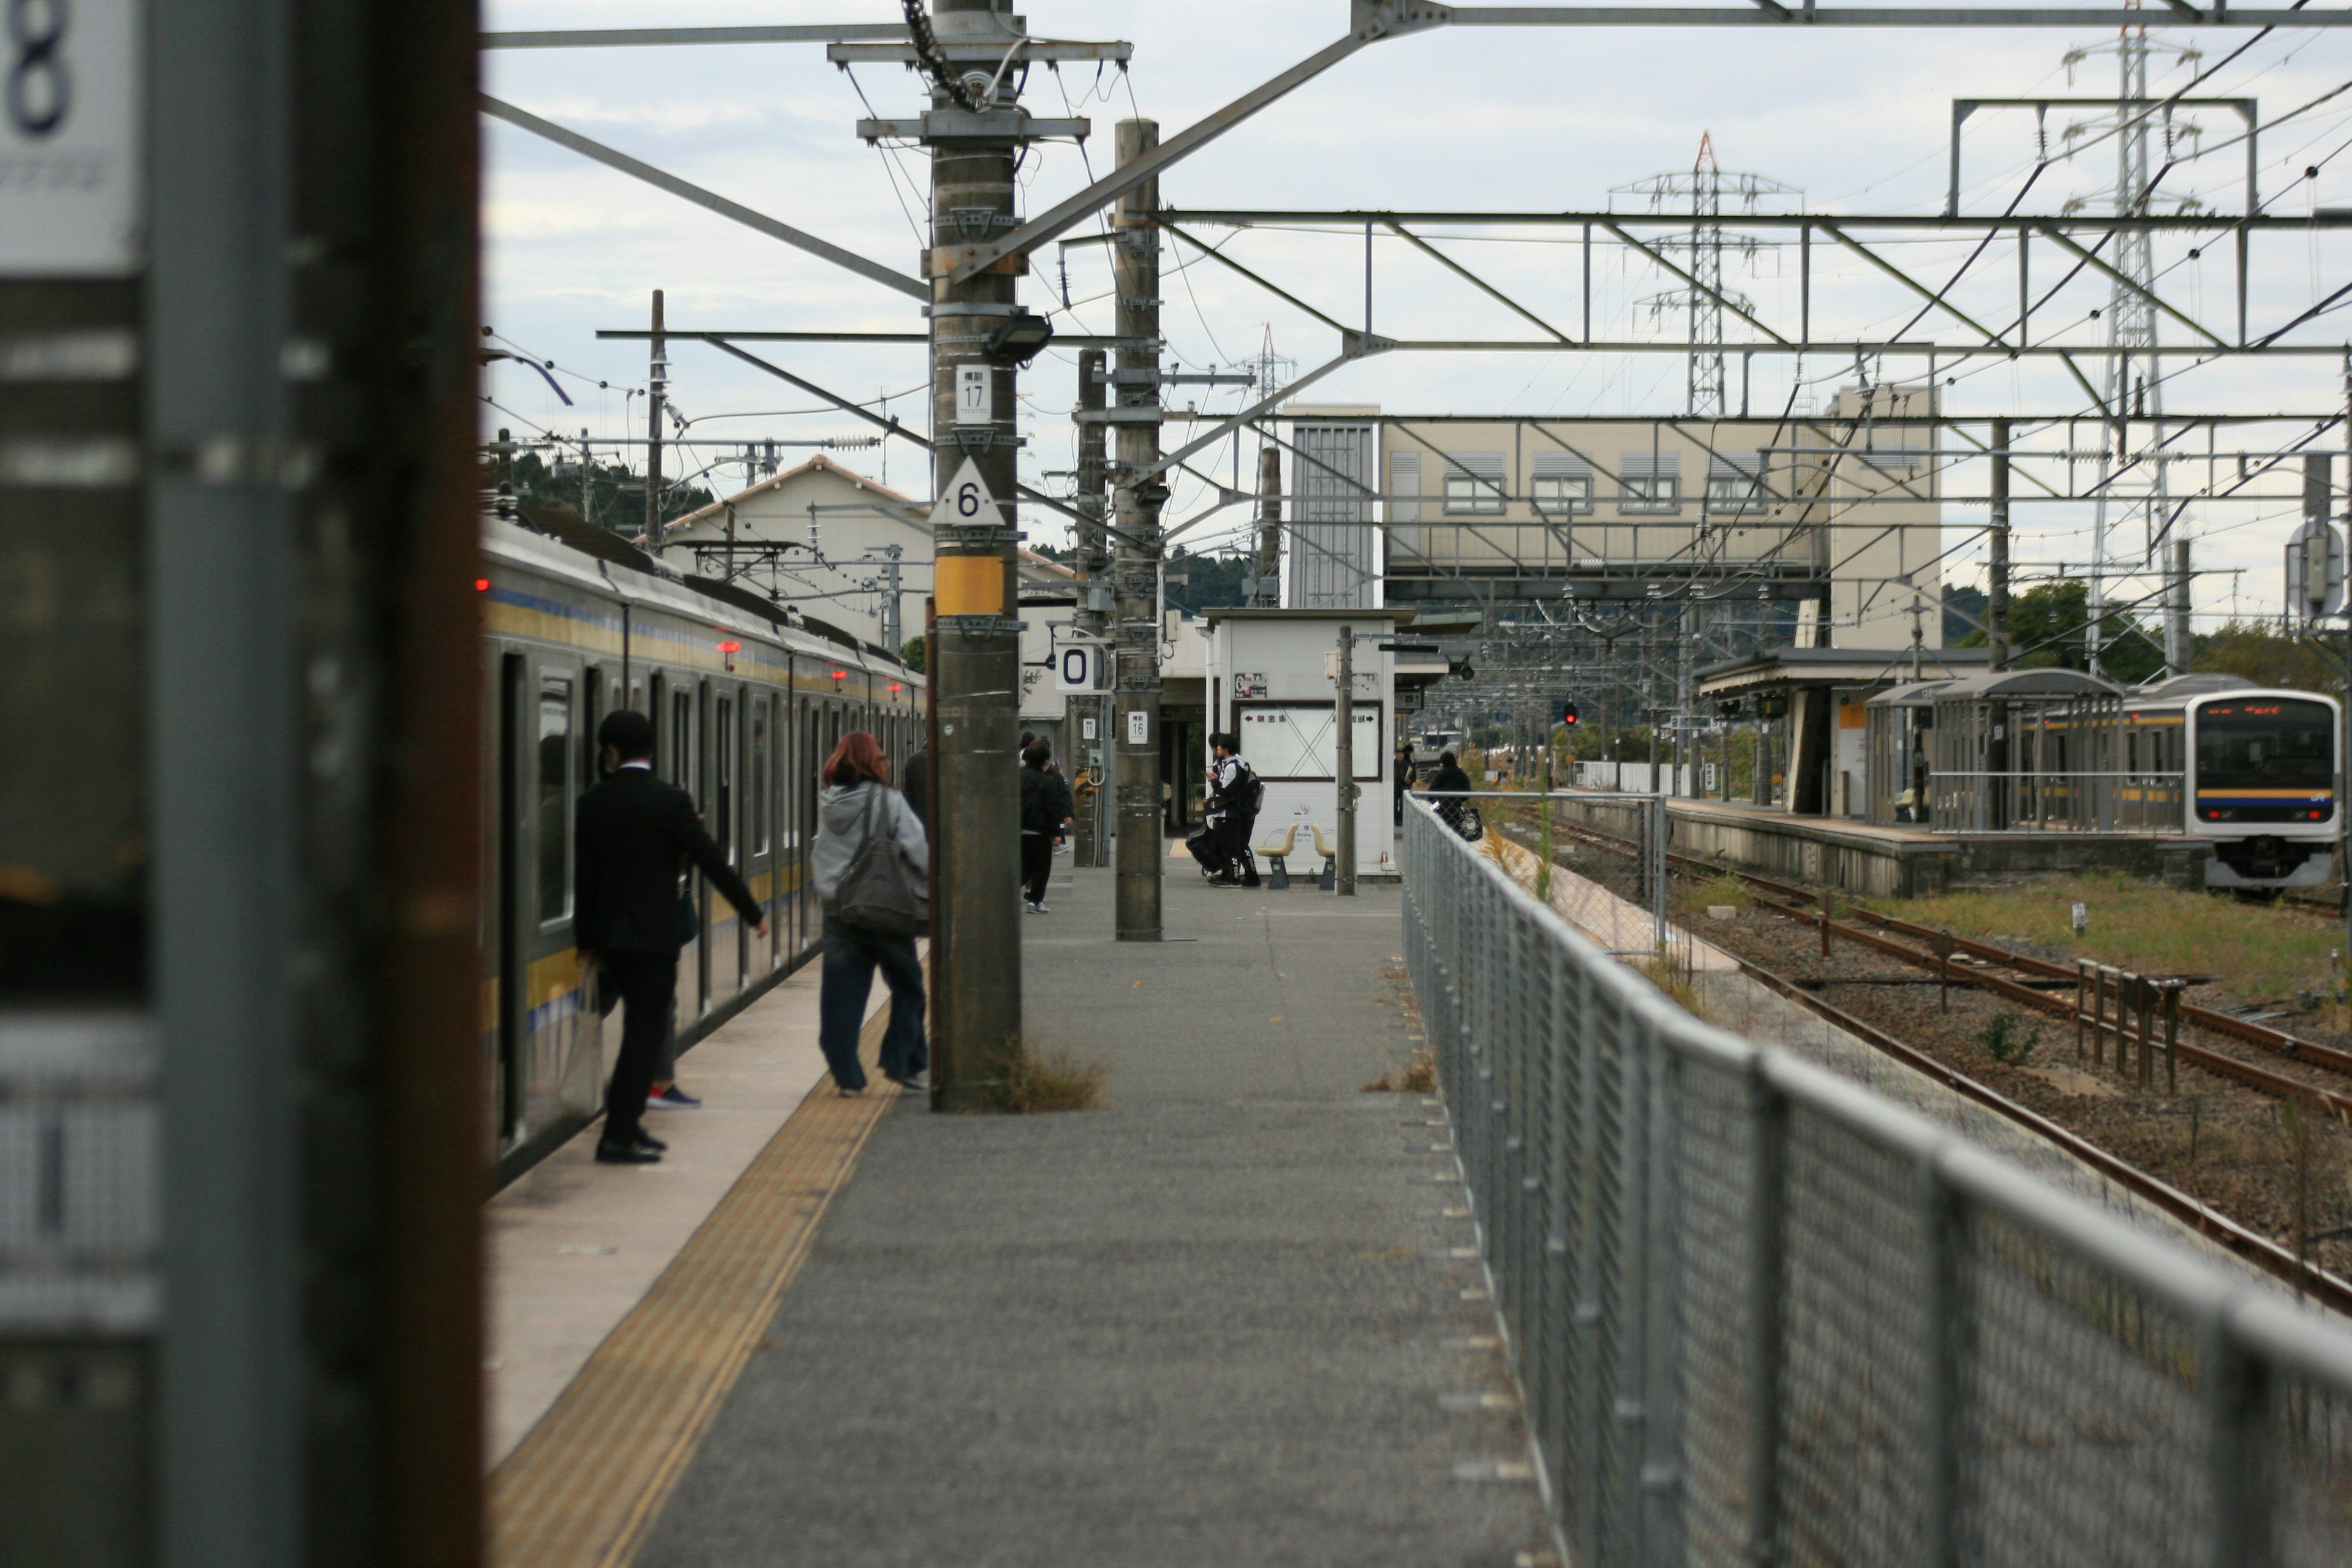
880	895
1204	847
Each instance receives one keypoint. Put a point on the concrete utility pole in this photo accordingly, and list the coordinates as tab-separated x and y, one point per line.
1343	721
2176	610
1135	272
976	679
1092	621
1997	569
1267	570
657	384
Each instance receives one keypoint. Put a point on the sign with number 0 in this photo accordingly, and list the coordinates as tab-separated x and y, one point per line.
70	166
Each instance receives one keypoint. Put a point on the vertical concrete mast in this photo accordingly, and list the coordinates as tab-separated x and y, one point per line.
1135	272
977	1007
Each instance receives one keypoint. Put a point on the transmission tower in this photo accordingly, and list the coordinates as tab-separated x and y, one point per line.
1702	191
2133	385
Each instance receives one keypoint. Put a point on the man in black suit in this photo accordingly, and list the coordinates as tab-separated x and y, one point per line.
634	833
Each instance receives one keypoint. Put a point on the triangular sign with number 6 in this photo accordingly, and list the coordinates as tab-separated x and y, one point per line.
967	503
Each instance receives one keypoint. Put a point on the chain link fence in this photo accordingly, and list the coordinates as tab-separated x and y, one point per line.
1762	1315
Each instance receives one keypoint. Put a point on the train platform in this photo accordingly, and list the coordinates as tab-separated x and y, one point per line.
1234	1314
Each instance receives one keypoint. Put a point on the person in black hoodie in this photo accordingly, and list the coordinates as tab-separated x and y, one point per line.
1046	808
634	833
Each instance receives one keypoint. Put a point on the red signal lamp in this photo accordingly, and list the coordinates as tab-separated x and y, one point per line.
730	647
481	584
841	675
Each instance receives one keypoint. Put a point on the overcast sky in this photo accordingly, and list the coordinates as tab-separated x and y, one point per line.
1508	119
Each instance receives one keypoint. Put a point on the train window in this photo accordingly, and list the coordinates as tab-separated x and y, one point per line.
760	776
655	710
554	798
592	704
722	779
681	744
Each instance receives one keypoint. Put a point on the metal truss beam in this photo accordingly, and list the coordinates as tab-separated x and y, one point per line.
1353	220
639	37
2181	14
612	158
2011	343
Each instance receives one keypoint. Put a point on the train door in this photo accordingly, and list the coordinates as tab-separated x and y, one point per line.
701	884
682	756
759	847
727	958
553	729
510	1011
806	779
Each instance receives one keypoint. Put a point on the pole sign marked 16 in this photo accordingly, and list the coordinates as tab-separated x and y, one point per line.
1078	668
70	165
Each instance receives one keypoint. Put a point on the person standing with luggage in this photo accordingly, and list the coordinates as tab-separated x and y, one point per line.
862	824
1047	807
633	834
1234	795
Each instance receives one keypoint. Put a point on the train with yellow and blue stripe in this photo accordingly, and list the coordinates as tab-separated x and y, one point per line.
2251	771
747	698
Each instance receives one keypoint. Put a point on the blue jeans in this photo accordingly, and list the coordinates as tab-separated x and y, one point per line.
850	960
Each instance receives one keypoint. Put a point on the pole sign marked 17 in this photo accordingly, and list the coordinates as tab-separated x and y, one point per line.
70	165
975	394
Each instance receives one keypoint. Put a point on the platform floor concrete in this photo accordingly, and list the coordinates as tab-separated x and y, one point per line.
1226	1319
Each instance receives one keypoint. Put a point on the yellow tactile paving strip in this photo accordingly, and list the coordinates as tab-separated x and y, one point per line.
584	1488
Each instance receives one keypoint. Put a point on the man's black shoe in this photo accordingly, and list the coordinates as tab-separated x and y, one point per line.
610	1154
648	1140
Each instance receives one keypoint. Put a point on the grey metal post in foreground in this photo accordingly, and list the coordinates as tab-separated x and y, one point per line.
1135	272
976	1013
223	732
1343	725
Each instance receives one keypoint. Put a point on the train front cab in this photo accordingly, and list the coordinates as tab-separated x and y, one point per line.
2262	786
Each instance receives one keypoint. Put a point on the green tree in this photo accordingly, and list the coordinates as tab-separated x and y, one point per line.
2263	656
911	655
2046	624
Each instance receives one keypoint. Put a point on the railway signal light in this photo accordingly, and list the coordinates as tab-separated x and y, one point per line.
1568	715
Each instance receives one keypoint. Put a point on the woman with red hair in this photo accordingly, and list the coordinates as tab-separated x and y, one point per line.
859	805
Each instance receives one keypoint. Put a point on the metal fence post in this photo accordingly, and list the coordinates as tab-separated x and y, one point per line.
1661	1465
2239	1430
1633	1326
1944	1234
1768	1225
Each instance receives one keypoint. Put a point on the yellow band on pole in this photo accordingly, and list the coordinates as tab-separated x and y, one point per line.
969	585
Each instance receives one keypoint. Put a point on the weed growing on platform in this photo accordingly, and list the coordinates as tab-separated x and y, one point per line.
2007	1045
1050	1081
1418	1076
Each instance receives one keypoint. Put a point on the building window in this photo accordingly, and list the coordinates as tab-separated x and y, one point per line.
1563	495
1650	483
1474	483
1735	484
1560	484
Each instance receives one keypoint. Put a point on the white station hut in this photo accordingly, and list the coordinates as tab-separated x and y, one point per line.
1271	679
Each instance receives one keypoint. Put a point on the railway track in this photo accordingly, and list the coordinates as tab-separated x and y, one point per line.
2279	1042
2274	1258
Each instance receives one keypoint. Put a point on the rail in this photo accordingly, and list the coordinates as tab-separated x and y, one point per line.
1759	1314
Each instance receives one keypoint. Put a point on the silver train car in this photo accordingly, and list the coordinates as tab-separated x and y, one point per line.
746	703
2251	771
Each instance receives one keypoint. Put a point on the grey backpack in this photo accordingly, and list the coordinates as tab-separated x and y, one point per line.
880	895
